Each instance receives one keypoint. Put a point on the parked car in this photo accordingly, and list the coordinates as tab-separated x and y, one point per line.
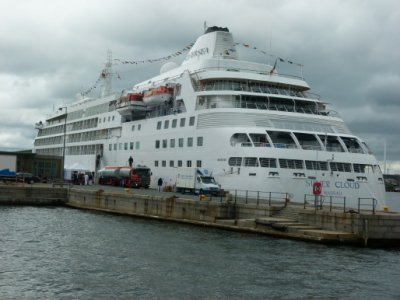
27	177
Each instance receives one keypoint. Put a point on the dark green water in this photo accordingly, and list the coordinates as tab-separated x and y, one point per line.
61	253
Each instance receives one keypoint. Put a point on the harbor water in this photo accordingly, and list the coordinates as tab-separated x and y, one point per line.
63	253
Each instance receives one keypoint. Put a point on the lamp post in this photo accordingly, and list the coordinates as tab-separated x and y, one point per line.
65	135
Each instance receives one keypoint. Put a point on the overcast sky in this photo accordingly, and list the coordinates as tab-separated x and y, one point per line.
50	50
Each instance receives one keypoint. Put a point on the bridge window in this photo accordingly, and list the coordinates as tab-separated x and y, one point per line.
282	139
259	139
308	141
352	145
240	139
331	143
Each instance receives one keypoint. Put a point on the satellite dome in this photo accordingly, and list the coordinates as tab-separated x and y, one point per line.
168	67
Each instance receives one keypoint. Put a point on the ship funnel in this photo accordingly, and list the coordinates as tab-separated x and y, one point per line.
216	42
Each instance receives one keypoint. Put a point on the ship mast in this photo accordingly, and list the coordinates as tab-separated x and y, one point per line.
106	76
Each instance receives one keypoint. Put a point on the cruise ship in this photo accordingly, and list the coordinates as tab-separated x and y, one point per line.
256	129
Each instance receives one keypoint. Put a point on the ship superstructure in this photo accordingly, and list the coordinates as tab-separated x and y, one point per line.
256	129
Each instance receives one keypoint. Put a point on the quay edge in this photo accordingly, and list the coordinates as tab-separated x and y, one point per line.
292	221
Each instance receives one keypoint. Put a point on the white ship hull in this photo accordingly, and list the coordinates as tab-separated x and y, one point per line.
254	138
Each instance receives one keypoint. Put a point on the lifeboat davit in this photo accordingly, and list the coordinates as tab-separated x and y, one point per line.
158	95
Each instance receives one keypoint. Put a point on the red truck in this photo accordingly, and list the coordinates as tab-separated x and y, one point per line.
125	176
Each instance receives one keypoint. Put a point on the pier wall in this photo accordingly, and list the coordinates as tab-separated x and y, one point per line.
151	206
305	224
26	194
377	226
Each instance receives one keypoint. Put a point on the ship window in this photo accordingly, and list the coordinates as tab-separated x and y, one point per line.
316	165
259	139
189	163
156	163
198	163
266	162
104	119
109	147
179	163
131	145
282	139
340	167
250	162
190	142
235	161
367	148
164	163
331	143
99	120
157	144
120	146
291	163
352	144
164	143
159	125
180	142
137	145
113	117
139	127
126	146
171	163
240	139
174	121
108	119
166	124
361	168
133	127
191	121
115	146
172	143
182	122
308	141
199	141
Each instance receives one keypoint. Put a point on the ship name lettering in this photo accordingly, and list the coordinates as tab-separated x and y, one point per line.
347	185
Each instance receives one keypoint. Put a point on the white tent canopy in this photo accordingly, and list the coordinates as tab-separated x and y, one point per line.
72	168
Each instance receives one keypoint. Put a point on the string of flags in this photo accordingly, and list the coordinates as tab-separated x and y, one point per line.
137	62
102	75
164	58
265	53
178	53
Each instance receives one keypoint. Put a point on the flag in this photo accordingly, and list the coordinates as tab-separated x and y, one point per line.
247	46
281	59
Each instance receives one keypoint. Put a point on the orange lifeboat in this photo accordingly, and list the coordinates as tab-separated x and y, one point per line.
158	95
130	97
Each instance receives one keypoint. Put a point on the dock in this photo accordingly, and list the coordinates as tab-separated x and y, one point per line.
278	219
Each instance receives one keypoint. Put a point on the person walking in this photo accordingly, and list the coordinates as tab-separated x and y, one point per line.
159	183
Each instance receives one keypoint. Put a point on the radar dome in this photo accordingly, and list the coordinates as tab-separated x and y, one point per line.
168	67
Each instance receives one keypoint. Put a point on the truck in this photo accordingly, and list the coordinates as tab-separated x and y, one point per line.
132	177
196	180
6	175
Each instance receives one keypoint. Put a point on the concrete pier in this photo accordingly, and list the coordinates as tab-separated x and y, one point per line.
288	220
